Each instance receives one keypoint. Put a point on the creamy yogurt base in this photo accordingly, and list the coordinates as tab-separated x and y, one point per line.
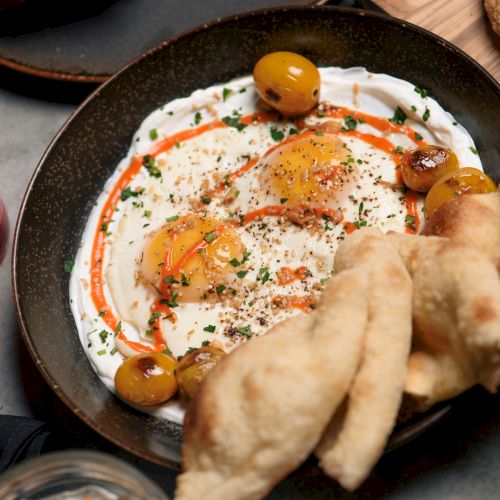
183	169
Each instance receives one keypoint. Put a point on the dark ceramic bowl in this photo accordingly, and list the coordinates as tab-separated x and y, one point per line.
87	149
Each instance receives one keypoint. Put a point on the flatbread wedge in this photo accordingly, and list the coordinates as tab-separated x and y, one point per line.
356	437
456	317
262	410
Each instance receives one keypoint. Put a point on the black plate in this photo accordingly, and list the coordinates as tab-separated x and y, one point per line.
87	149
90	40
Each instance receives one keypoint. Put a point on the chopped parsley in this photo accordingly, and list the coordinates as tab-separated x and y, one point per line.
210	237
68	265
426	114
399	116
246	331
170	279
413	108
418	137
197	118
150	165
147	213
423	92
361	207
283	200
360	223
103	334
209	329
293	131
246	255
276	134
185	281
153	318
398	150
263	275
234	262
219	289
350	123
168	352
206	199
241	274
234	121
153	134
243	90
172	219
473	149
410	222
128	193
225	93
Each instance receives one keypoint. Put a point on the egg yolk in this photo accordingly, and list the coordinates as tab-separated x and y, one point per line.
190	256
312	169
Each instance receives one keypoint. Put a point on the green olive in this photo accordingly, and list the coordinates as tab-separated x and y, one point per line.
288	82
146	379
423	166
194	367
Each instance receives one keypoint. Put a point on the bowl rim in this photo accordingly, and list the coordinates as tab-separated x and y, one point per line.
23	326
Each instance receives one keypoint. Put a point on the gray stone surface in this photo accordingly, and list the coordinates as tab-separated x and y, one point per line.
457	459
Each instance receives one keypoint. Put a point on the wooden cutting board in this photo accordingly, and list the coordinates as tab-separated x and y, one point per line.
462	22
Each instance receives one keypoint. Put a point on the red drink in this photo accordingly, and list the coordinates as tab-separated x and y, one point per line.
4	230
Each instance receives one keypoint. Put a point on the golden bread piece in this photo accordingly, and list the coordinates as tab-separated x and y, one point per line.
493	10
472	219
356	437
456	318
262	410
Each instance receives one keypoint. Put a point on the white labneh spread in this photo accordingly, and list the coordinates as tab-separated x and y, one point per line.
254	295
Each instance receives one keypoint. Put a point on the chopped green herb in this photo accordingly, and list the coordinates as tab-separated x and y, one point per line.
128	193
153	134
172	219
153	317
68	265
426	114
276	134
172	303
118	328
246	255
423	92
350	123
209	329
197	118
320	114
360	223
170	279
205	343
263	275
413	108
102	352
397	150
178	145
455	124
234	262
219	289
319	133
246	330
293	131
168	352
361	207
473	150
104	227
206	199
210	237
283	200
185	281
101	313
241	274
243	90
234	122
225	93
103	334
313	305
418	137
150	165
113	351
399	116
147	213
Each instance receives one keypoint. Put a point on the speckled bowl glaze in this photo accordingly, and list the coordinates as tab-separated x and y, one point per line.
87	149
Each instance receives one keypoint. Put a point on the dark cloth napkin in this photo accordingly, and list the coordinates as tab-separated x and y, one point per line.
21	438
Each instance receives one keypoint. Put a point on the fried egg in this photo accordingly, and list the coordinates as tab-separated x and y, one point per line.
224	217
